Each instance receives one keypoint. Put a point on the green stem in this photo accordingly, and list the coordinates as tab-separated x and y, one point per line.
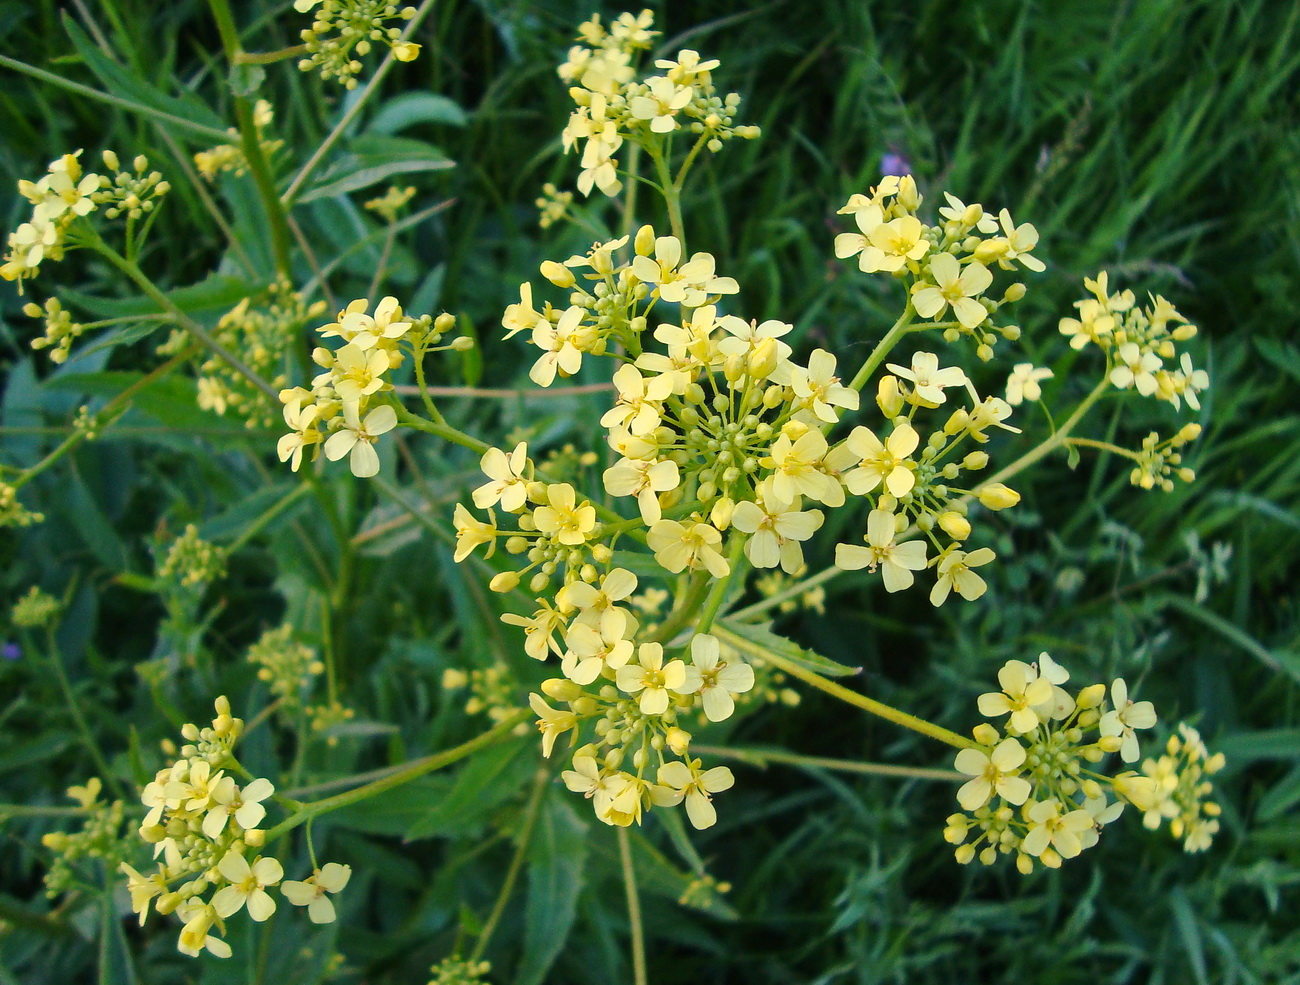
251	142
26	810
444	431
633	186
1103	445
761	757
254	528
1056	440
681	615
516	864
185	321
878	708
736	561
78	719
212	133
345	121
411	771
269	57
882	350
110	408
633	908
434	413
672	196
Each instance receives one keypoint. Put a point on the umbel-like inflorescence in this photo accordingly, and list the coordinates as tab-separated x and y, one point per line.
1037	789
205	830
343	31
614	105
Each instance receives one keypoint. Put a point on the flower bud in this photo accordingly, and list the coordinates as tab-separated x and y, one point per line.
558	274
720	516
998	496
406	51
763	358
601	553
462	343
985	734
111	162
678	740
505	581
561	689
954	525
975	461
1091	696
888	397
1015	292
644	244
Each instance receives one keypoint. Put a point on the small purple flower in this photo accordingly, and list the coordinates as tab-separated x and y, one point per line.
11	651
895	163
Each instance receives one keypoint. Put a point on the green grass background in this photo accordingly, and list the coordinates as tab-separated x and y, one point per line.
1157	139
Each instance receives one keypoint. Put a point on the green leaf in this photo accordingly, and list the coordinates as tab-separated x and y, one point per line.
764	639
215	293
485	781
245	80
115	964
374	159
557	857
411	108
471	360
120	82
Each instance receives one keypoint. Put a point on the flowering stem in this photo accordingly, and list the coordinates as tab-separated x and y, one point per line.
270	514
736	562
110	408
443	430
251	143
882	349
345	121
633	908
268	57
672	195
423	387
540	782
877	708
1103	445
1056	440
151	291
411	771
761	757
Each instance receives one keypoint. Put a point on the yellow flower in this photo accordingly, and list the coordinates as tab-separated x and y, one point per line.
776	528
954	573
893	243
551	723
714	679
562	519
953	286
927	379
310	892
470	532
199	918
885	461
1022	692
677	546
508	485
358	438
1023	382
992	772
652	679
896	561
697	788
247	886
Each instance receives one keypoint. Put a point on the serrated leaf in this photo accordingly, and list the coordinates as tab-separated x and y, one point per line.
557	857
411	108
486	780
398	809
766	640
373	159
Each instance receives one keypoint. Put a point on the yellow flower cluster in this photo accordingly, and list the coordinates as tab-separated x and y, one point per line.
348	399
230	157
60	330
192	561
63	195
288	667
204	826
553	205
100	837
12	512
613	105
262	332
391	204
1175	788
34	609
344	29
67	193
1035	790
947	267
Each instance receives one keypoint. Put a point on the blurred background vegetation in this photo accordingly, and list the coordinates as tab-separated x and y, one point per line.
1157	139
